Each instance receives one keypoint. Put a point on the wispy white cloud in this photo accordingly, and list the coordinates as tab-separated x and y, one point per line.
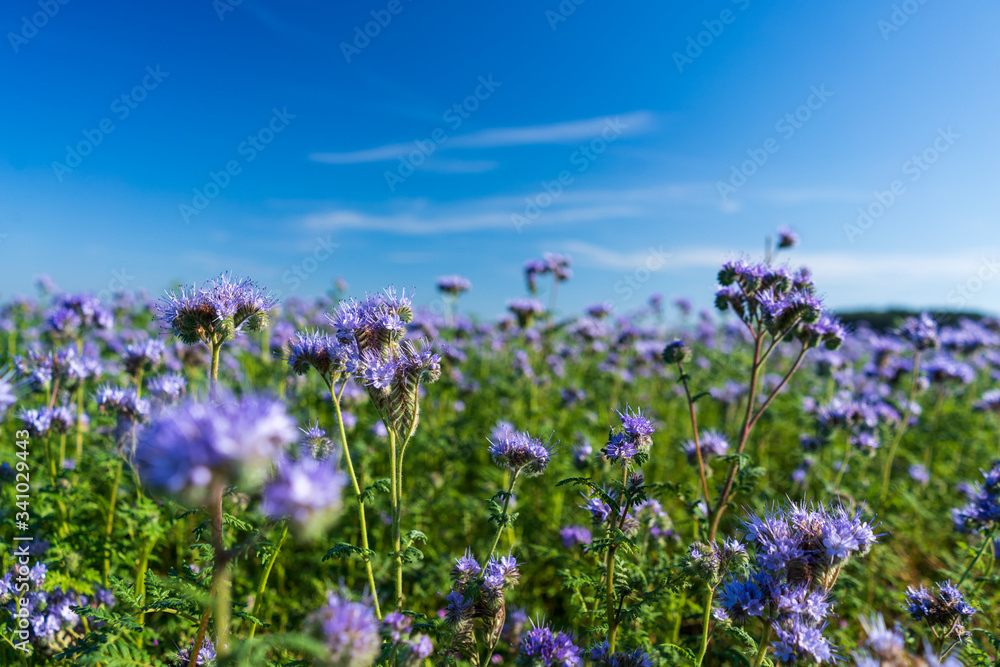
889	274
533	135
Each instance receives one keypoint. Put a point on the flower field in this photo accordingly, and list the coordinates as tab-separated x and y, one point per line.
217	477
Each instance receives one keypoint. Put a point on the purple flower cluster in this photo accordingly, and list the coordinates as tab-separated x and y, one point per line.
40	421
206	655
634	437
328	355
943	369
453	285
945	608
982	512
574	535
603	656
710	562
124	402
526	310
921	332
477	599
193	446
307	490
217	311
761	294
71	313
65	365
883	646
391	368
798	554
48	613
167	388
989	402
142	355
543	646
411	648
713	443
557	265
519	452
349	630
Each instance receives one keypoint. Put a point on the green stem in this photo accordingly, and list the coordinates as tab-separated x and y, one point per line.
706	619
214	372
397	556
140	575
220	574
762	646
986	542
887	467
262	584
506	503
111	520
357	494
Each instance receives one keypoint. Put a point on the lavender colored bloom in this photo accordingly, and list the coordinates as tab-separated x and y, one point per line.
942	369
921	332
7	396
982	512
218	311
206	655
520	452
990	401
123	401
787	238
313	349
308	491
193	446
634	437
944	608
349	630
526	310
169	387
466	568
542	646
574	535
602	656
919	473
799	641
712	443
142	355
453	285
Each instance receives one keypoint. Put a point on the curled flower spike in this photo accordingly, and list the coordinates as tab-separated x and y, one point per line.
603	656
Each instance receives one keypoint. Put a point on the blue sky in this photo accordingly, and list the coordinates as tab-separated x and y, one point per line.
645	110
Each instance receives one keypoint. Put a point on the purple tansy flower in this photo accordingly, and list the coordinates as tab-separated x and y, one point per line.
520	452
921	332
800	641
167	387
194	445
787	238
574	535
713	443
542	646
308	491
453	285
349	630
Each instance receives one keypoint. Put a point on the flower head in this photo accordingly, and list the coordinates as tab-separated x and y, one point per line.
192	446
